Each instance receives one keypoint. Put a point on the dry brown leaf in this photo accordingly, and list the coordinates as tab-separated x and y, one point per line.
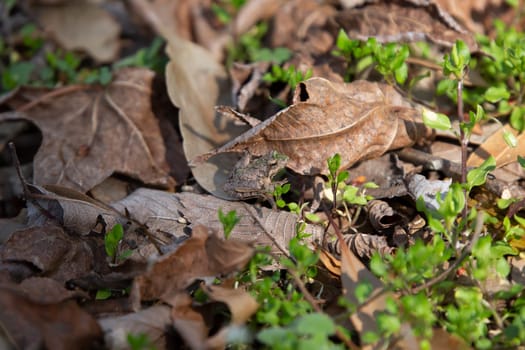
189	323
44	290
175	212
469	12
50	252
301	25
241	304
200	256
82	25
91	132
152	321
360	120
363	245
60	326
442	339
496	146
404	20
76	212
196	83
382	216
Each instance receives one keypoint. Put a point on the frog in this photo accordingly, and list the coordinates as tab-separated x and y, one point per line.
251	176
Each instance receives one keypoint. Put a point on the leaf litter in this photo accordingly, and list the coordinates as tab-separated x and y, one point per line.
54	268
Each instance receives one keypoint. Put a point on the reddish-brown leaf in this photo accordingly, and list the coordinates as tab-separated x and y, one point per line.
202	255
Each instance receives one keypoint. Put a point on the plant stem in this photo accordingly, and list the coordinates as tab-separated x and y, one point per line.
464	144
463	138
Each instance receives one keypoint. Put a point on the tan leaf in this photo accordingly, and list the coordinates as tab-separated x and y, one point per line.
241	304
90	132
196	83
82	25
360	120
413	20
496	146
152	321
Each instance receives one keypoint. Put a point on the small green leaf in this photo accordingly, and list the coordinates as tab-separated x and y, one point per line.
436	120
363	290
315	324
390	324
521	160
502	267
103	294
494	94
510	139
228	221
401	74
517	118
312	217
112	240
477	176
342	176
378	266
334	163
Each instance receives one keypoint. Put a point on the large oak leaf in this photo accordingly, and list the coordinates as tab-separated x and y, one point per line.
359	121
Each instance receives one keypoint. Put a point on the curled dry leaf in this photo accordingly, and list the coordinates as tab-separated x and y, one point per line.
404	20
360	120
361	244
90	132
82	25
382	216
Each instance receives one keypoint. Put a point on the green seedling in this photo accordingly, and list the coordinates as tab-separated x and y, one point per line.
152	57
388	59
290	75
249	48
228	221
112	241
140	341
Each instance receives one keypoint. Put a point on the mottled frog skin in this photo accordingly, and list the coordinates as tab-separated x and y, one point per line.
251	177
